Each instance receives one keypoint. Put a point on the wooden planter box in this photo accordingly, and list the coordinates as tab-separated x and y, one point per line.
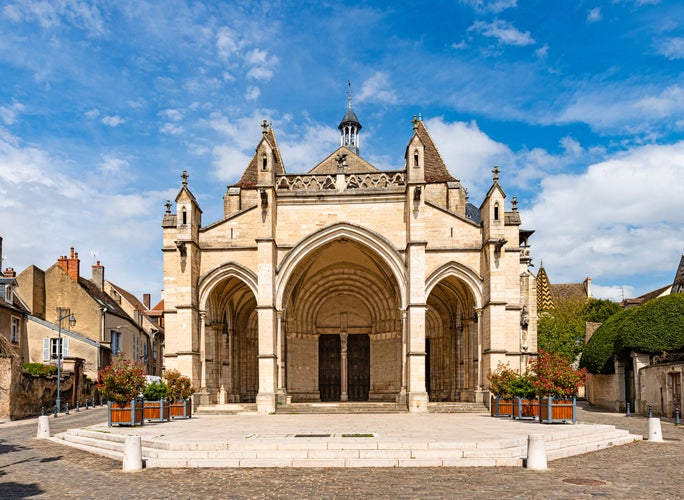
525	409
125	414
557	410
501	407
157	411
181	409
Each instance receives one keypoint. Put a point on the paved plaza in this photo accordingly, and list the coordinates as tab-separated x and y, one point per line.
32	468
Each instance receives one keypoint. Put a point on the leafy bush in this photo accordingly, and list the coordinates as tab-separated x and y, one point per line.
154	391
501	380
179	385
553	376
122	381
38	369
507	384
654	327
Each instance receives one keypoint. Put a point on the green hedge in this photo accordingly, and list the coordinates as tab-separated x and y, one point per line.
38	369
652	328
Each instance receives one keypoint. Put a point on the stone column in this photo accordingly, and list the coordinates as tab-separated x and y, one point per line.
266	314
343	368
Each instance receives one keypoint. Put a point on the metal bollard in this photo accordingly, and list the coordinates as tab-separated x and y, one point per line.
67	409
676	416
650	411
54	412
42	411
627	410
77	410
86	404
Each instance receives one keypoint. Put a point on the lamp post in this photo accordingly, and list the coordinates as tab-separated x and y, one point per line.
62	313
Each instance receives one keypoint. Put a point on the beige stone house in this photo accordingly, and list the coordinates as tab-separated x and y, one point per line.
347	283
102	331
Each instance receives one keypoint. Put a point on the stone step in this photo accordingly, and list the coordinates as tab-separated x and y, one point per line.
340	408
457	407
333	450
226	409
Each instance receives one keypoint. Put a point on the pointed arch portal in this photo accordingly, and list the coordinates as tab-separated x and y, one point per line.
341	322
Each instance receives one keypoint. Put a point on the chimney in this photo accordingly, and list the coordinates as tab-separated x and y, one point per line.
146	300
10	273
70	265
98	275
587	286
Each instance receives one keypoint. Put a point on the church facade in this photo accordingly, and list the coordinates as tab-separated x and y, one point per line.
347	283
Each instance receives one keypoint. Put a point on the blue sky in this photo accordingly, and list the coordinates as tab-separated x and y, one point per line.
103	104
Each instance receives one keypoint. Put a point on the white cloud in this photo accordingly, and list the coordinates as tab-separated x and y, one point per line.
174	115
260	73
620	217
468	153
252	93
171	129
113	166
494	6
377	88
8	114
616	293
92	114
672	48
112	121
594	15
226	42
504	32
75	13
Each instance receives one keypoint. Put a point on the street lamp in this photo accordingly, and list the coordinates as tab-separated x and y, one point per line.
62	313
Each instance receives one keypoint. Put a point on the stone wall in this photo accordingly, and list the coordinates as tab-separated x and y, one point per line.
23	395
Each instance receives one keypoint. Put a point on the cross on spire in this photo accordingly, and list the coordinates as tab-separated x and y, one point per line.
349	95
168	206
515	203
496	172
264	127
185	176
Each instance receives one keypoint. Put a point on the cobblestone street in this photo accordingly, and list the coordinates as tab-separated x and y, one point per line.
32	468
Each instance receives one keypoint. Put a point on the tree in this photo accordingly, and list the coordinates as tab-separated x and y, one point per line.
561	330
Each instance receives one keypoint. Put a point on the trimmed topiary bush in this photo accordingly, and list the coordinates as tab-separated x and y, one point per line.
652	328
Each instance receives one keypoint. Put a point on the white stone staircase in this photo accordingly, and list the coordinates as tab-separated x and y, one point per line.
347	450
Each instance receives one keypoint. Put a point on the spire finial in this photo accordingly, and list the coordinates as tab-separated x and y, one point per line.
168	206
185	176
415	122
264	127
349	94
496	172
515	203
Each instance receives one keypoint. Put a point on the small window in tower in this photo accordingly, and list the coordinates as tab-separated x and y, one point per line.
415	158
496	212
185	217
264	162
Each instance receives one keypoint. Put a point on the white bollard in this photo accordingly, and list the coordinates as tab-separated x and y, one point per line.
536	452
655	433
43	427
132	456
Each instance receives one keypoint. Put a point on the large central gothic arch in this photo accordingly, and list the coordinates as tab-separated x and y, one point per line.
341	320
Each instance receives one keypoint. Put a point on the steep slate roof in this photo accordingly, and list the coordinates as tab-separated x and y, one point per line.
642	299
251	174
435	168
354	163
549	296
568	291
132	299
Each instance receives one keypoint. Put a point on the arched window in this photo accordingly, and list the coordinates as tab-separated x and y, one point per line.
496	211
264	162
184	217
415	158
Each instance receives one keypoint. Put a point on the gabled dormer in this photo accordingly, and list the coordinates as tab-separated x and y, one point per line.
492	212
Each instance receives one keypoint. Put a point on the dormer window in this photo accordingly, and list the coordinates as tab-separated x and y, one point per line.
496	212
9	296
415	158
184	216
264	162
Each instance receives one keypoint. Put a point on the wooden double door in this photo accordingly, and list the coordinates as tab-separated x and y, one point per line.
330	367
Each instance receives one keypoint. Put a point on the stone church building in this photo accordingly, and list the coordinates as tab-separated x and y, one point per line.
347	283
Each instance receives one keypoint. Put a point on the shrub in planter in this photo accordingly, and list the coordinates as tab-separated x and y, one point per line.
556	382
156	390
180	390
500	385
120	383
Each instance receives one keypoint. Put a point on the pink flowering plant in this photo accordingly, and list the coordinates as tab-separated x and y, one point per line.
553	376
121	381
180	386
